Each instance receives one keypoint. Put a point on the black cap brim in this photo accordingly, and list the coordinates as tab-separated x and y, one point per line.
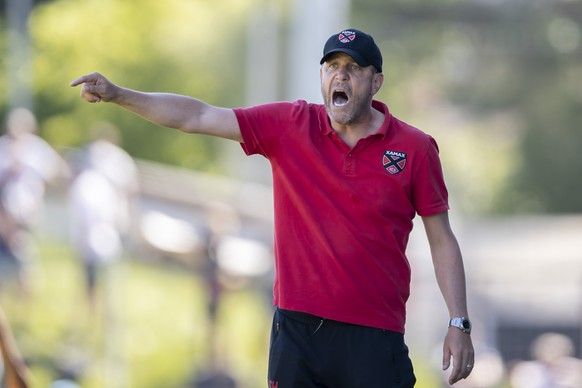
357	57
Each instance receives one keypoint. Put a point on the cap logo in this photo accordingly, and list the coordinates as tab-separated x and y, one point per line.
394	161
346	36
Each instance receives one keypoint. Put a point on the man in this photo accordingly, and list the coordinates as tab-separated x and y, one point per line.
348	179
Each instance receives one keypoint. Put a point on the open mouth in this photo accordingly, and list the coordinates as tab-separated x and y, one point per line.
340	98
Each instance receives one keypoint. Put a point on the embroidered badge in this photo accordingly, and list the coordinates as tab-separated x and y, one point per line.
394	161
346	36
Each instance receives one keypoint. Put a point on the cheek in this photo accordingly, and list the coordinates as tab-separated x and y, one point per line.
325	79
325	86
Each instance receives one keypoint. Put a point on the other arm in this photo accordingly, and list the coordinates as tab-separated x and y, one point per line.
450	275
180	112
15	371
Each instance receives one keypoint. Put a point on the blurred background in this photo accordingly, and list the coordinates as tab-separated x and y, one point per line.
134	256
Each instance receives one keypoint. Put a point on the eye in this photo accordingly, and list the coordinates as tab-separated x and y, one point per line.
355	67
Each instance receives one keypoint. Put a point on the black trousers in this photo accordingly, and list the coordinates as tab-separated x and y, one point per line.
312	352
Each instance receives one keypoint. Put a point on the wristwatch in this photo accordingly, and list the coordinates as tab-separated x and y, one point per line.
461	323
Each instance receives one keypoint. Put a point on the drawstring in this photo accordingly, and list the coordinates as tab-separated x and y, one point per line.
319	326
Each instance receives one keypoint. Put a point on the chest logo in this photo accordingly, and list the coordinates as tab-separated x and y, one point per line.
394	161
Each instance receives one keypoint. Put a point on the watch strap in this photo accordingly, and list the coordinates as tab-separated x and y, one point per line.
461	323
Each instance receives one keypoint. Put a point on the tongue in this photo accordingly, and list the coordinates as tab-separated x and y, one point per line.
340	100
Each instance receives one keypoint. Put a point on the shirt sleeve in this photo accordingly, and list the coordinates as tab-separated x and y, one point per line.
263	126
430	195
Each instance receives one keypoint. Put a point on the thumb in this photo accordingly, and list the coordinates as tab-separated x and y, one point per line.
446	359
90	94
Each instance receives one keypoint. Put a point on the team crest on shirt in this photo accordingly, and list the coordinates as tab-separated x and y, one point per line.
346	36
394	161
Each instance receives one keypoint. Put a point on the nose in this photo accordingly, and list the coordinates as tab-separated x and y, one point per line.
342	73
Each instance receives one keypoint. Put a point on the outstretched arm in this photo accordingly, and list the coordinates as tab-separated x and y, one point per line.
450	274
184	113
15	371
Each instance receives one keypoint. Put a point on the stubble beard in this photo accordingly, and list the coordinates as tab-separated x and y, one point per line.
348	114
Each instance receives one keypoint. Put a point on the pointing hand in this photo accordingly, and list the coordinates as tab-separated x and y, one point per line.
96	88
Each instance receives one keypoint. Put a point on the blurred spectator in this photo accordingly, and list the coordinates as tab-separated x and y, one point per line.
218	379
13	371
27	164
101	200
553	365
221	221
68	374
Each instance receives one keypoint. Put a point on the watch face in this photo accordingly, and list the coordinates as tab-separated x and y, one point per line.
466	324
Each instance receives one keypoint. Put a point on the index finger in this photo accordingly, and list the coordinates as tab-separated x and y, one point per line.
84	79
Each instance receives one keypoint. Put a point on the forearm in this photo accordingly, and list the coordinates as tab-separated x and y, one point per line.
164	109
15	371
448	263
167	110
450	275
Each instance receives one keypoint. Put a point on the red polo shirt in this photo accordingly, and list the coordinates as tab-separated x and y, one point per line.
343	216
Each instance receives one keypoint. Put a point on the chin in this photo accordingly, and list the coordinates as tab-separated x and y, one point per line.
341	117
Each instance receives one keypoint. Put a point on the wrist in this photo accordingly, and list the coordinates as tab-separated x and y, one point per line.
461	323
119	96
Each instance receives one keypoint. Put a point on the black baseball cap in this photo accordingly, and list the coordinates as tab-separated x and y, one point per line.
356	44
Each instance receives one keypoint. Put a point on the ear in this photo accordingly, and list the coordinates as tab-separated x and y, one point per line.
377	82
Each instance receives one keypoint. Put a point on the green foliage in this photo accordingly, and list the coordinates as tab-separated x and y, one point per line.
178	46
496	84
498	87
3	65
